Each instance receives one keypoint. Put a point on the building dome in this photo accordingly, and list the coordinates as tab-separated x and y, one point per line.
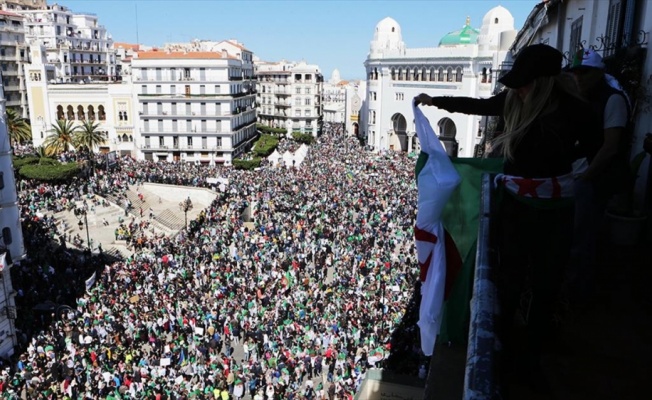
495	22
388	28
387	36
464	36
498	16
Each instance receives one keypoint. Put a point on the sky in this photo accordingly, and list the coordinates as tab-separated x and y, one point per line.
329	33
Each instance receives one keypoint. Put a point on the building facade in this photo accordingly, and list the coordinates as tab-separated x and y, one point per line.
13	55
289	95
334	99
77	46
463	64
11	238
193	106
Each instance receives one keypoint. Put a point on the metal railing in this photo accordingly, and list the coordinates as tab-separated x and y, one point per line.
480	380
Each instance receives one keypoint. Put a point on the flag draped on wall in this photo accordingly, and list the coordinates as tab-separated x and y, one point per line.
461	218
436	180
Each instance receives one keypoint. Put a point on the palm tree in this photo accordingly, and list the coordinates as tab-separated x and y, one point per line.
88	136
18	128
61	138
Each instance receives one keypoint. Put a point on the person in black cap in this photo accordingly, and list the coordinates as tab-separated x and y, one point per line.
544	118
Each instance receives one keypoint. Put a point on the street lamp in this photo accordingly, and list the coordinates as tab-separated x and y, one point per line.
186	206
80	213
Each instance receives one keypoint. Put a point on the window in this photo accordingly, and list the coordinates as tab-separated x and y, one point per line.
619	26
307	113
143	89
186	73
161	141
400	96
189	141
297	90
307	101
297	113
458	74
173	89
202	89
297	101
307	90
576	35
217	89
187	90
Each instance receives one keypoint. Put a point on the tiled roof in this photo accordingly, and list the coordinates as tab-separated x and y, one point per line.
191	55
238	45
131	46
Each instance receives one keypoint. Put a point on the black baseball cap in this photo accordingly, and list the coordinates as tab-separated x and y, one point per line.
533	62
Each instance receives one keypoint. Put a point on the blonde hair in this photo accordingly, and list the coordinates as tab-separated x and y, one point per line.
520	114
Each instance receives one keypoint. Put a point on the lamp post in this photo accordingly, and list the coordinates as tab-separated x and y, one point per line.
81	213
186	206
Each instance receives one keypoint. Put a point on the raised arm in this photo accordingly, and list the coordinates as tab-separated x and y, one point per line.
466	105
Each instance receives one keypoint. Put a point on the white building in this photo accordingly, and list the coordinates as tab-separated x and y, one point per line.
11	238
77	46
334	99
289	96
461	65
109	104
194	106
13	54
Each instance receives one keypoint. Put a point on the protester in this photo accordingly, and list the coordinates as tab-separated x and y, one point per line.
544	119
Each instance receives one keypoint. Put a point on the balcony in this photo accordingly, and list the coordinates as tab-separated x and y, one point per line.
597	352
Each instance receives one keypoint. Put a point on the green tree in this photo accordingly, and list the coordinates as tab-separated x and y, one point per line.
88	136
61	138
18	128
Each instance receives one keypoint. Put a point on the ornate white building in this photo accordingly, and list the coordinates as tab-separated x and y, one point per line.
289	95
463	64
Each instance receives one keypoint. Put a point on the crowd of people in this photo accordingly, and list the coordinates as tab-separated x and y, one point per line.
296	303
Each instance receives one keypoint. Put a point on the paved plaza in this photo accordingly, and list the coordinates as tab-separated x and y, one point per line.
161	200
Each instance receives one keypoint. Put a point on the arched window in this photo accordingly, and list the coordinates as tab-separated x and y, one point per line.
91	113
101	115
60	114
484	75
432	75
393	74
458	74
440	75
424	74
449	74
489	76
495	20
125	138
375	74
80	113
71	113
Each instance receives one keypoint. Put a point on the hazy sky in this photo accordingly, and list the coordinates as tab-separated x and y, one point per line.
329	33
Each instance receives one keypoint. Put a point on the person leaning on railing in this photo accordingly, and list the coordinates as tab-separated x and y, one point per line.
544	118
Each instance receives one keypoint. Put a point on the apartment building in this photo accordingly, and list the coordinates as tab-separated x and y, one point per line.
289	96
77	45
13	55
193	106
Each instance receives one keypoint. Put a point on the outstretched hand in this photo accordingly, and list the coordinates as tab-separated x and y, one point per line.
423	99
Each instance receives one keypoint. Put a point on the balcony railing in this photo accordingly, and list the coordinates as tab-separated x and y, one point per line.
482	359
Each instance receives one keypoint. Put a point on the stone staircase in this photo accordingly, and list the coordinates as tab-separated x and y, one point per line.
171	219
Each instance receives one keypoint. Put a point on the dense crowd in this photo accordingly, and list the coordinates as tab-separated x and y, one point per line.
296	304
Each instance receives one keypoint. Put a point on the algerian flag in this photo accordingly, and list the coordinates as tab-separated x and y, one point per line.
436	181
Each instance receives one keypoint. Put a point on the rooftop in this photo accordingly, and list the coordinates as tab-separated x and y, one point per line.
191	55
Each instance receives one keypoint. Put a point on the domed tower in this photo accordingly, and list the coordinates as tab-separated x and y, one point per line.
465	36
387	37
335	77
494	23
